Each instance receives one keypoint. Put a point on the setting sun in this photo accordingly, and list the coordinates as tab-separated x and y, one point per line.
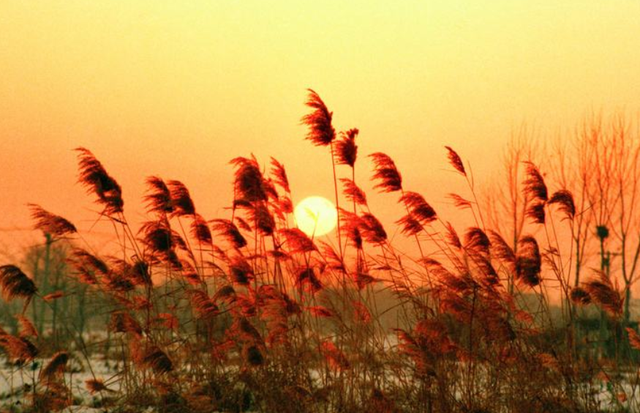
316	216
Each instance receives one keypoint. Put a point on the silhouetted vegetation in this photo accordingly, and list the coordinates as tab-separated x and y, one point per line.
247	313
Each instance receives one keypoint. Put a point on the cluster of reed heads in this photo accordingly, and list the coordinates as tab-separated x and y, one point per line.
248	313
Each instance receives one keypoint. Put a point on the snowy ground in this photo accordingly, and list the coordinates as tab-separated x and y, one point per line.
15	383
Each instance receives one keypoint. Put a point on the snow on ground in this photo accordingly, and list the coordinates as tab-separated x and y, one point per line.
16	382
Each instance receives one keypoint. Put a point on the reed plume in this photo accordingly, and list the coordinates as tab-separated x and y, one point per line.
410	226
363	279
534	185
88	267
432	335
321	131
418	211
137	273
320	311
291	305
602	292
565	202
230	232
27	329
462	284
244	331
275	311
124	322
163	241
634	338
477	241
536	212
119	283
200	230
483	264
240	270
452	236
346	150
386	173
528	261
203	306
226	294
180	199
15	283
580	296
53	296
55	367
249	183
436	268
18	349
502	250
353	193
350	227
307	277
459	202
168	321
49	223
280	175
336	358
536	193
270	189
96	179
410	346
455	161
158	197
189	273
297	241
360	312
150	356
96	386
372	229
242	224
332	259
262	219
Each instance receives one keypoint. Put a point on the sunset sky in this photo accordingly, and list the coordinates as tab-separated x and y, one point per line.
179	88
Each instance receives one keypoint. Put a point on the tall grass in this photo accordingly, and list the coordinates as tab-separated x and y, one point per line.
247	313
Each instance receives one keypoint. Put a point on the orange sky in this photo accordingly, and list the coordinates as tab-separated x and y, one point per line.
178	88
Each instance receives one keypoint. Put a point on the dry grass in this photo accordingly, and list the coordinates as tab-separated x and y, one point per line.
250	314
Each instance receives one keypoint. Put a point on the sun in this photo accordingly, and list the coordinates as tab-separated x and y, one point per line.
316	216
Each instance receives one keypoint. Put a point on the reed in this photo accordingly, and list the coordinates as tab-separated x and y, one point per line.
246	313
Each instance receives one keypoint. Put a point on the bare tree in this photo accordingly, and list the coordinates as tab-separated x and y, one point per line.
625	219
601	170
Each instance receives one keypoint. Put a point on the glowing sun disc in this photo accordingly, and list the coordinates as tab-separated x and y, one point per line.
316	216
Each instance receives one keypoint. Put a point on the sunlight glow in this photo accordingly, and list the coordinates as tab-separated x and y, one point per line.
316	216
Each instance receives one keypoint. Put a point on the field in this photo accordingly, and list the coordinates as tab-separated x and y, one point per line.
527	310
